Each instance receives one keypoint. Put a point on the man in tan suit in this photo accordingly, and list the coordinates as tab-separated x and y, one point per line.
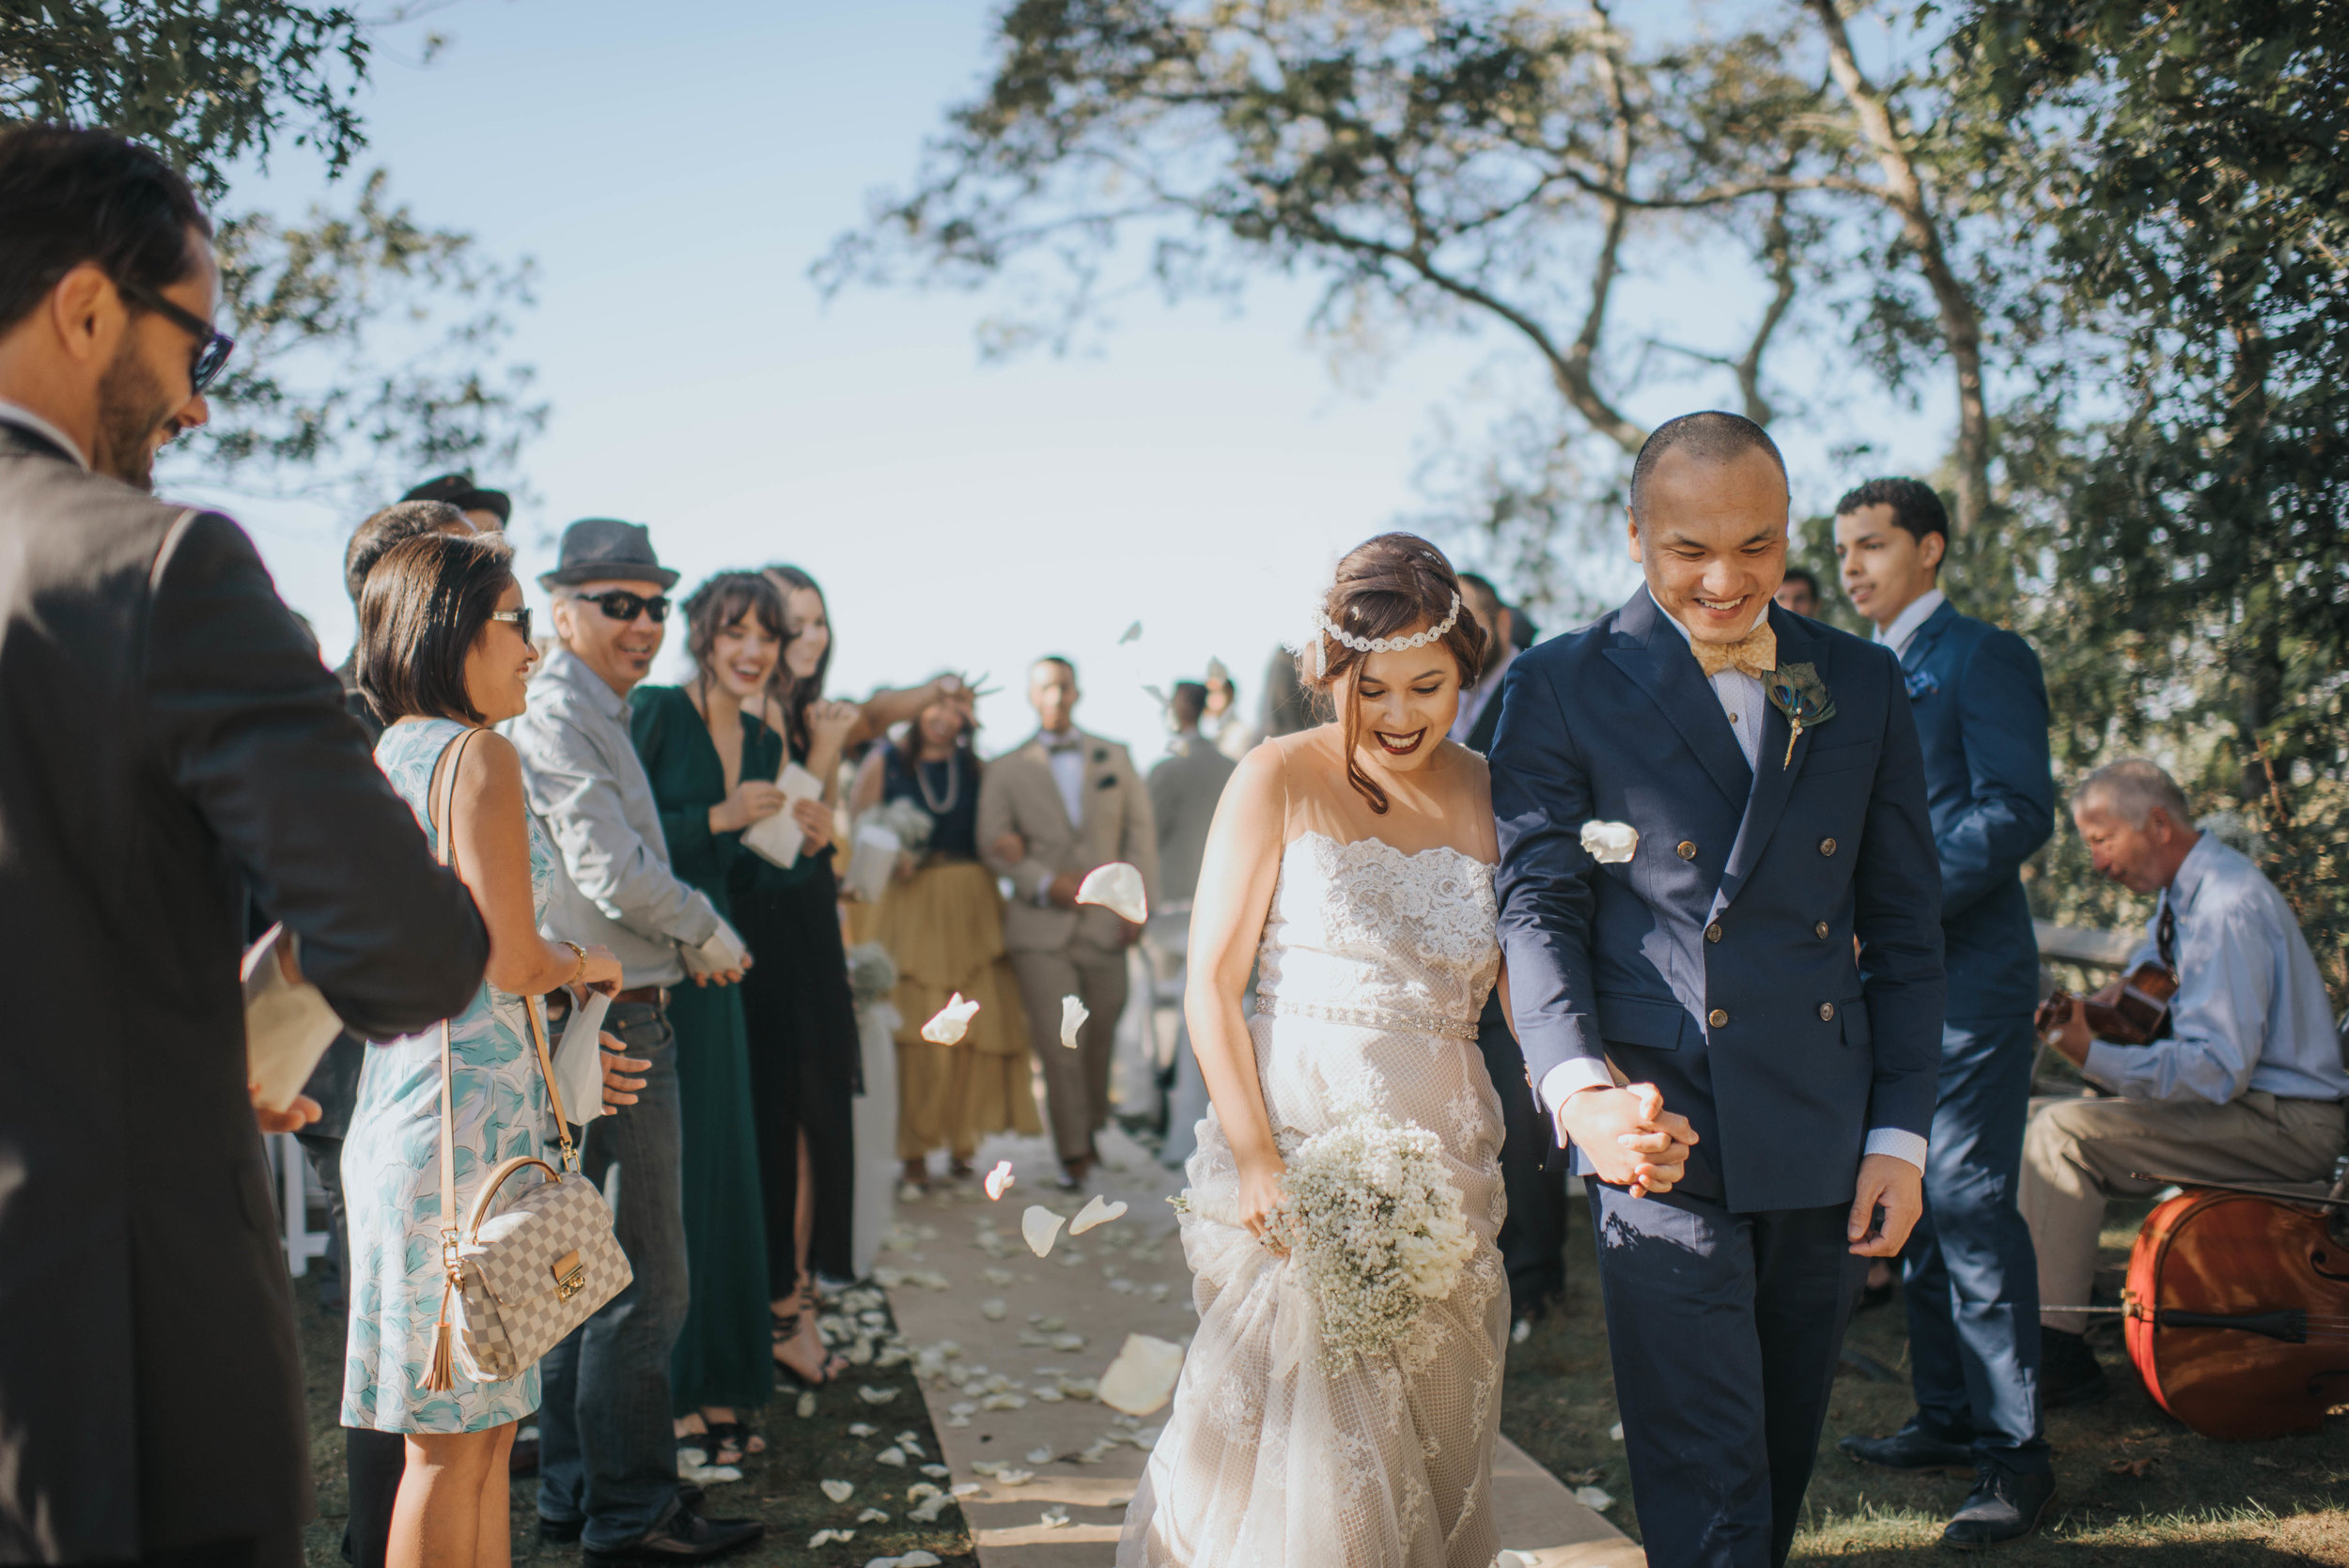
1048	813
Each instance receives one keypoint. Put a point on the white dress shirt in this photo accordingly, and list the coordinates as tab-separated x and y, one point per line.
15	413
1745	704
2250	1011
1065	755
1903	630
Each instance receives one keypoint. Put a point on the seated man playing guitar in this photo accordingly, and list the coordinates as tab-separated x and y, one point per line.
2236	1077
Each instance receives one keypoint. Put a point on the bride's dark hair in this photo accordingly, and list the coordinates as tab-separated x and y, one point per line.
1394	583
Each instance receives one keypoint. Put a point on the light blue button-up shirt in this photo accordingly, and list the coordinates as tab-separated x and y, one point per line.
585	781
2250	1011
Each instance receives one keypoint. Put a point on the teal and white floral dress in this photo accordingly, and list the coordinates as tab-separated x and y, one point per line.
392	1163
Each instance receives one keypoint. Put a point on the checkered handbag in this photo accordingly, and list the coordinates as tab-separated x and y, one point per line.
521	1277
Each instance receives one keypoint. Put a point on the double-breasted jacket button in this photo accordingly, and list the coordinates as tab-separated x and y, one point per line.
1688	849
1826	846
1826	1012
1717	1019
1713	932
1820	930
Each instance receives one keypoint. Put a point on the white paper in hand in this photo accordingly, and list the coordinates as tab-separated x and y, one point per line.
1117	888
579	1061
779	838
1072	1019
287	1024
872	860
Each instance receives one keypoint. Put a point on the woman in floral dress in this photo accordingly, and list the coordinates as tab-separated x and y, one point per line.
444	647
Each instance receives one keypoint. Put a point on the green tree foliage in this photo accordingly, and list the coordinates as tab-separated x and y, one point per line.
367	342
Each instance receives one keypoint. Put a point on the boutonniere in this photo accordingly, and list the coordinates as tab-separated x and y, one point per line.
1796	690
1920	684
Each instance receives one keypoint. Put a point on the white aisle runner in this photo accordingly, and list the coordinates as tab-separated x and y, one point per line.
1045	1471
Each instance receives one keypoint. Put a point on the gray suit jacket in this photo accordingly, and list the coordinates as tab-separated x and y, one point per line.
169	741
1017	795
1184	789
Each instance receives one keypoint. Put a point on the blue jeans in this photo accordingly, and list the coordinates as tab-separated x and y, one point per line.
606	1453
1970	1278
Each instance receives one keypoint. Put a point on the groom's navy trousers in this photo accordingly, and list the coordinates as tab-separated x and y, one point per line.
1719	963
1971	1278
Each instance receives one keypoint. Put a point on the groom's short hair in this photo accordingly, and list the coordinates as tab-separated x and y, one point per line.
1711	436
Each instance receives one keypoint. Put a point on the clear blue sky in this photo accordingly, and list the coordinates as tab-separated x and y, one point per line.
674	170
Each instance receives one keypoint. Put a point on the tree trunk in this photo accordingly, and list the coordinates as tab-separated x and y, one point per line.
1961	324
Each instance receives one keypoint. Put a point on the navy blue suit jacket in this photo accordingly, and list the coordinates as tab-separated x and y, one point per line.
1618	722
1981	715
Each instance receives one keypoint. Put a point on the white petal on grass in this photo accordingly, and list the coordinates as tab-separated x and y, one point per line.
1041	1226
838	1491
1097	1211
999	1180
1609	842
872	1516
862	1429
891	1455
1072	1019
1615	1433
826	1537
1117	888
948	1025
871	1396
805	1406
1142	1378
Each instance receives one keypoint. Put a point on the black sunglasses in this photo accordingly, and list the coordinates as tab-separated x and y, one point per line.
213	348
621	605
518	619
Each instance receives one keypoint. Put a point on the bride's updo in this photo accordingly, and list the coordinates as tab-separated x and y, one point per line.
1396	583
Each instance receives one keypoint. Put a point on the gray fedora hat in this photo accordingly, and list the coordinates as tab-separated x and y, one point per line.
605	550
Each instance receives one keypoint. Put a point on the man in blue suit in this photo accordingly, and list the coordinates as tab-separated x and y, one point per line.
1971	1278
1770	770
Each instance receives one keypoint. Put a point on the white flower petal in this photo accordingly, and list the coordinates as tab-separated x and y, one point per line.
1592	1499
1117	888
1609	842
999	1181
1072	1019
1142	1378
1095	1212
948	1025
891	1455
872	1516
1041	1226
838	1491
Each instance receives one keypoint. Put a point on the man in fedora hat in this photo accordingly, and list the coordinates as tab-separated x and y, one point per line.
606	1453
488	511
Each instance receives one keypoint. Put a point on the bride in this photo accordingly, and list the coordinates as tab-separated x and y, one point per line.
1351	865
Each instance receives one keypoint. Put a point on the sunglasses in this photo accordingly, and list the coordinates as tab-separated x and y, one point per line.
213	348
518	619
621	605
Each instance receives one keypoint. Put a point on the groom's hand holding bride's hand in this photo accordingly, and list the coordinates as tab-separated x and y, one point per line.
1628	1137
1892	1185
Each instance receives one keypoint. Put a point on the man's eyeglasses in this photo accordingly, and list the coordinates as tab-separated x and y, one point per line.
518	619
213	348
621	605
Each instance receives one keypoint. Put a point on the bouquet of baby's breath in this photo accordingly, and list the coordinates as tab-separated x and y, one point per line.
1375	1224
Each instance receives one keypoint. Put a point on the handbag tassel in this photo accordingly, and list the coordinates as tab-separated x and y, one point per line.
440	1374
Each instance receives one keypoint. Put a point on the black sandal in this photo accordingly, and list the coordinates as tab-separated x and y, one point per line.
733	1440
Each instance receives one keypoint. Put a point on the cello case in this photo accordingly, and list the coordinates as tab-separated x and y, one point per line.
2276	1278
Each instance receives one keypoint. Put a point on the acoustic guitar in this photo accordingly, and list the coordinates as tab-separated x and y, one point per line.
2134	1010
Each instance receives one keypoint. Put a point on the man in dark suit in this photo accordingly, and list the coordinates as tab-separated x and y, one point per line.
1769	768
1532	1239
174	744
1970	1278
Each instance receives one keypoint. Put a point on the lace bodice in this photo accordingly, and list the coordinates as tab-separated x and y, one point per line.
1364	933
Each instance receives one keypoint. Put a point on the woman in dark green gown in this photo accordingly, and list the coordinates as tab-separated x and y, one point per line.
690	740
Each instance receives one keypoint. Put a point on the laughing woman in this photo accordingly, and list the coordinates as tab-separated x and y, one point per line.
691	738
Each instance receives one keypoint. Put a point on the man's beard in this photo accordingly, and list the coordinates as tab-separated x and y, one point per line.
132	407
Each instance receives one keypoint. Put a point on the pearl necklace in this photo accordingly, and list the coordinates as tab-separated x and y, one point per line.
954	785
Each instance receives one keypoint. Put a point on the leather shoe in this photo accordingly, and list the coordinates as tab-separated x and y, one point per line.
2068	1371
561	1532
684	1536
2003	1506
1911	1449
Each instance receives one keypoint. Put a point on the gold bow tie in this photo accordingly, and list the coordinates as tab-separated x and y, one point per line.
1756	653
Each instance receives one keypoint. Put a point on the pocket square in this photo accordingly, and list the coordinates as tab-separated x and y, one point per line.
1107	781
1920	684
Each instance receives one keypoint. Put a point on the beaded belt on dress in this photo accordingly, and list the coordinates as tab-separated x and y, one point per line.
1370	1017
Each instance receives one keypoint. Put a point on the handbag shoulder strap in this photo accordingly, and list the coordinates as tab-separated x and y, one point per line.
444	827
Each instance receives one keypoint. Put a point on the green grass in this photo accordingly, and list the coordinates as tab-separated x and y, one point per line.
2198	1503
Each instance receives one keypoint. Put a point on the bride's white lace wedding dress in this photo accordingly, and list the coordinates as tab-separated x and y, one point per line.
1372	970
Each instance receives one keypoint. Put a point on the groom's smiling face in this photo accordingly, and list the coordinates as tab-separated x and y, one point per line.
1711	537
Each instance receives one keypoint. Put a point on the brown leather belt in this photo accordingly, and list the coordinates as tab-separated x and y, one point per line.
656	995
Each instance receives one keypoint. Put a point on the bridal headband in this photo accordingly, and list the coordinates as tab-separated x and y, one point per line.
1324	626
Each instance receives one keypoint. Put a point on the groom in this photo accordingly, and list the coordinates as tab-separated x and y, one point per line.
1771	771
